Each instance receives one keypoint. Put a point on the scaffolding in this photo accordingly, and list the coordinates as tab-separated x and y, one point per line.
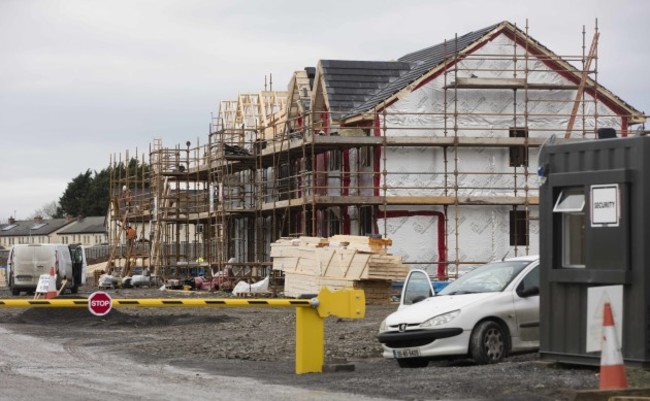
271	170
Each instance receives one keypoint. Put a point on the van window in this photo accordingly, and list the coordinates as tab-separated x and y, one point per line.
36	254
78	255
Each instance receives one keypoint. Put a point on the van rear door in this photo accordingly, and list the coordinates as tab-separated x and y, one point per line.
30	262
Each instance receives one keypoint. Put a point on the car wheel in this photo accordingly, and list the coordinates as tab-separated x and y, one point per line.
488	343
413	363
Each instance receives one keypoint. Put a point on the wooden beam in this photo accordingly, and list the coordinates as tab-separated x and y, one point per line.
505	83
583	82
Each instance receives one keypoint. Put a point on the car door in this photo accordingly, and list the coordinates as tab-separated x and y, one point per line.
417	287
526	304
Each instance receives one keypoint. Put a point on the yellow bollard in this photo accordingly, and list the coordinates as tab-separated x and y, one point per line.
310	341
310	326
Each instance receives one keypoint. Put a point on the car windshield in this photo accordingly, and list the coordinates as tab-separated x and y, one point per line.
493	277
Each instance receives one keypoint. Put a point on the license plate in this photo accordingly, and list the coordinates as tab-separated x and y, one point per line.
406	353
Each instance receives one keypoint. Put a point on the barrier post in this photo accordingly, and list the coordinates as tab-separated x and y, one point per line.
310	341
310	326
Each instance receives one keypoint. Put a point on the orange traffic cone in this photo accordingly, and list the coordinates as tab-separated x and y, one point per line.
612	369
51	289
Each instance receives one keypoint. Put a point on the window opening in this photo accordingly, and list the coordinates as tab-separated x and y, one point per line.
518	227
518	153
571	204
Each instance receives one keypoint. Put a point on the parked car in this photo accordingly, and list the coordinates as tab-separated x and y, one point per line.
485	314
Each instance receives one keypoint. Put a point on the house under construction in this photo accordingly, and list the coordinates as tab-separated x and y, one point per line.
436	151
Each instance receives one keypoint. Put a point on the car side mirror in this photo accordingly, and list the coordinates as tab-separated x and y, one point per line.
528	292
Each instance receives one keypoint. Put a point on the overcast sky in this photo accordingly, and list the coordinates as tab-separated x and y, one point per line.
81	80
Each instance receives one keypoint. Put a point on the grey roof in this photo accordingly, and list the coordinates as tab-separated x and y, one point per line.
349	84
419	63
311	73
87	225
29	227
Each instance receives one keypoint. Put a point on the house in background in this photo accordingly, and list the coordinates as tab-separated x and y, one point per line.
88	231
436	151
36	231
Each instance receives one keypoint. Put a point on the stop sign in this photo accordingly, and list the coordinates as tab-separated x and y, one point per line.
99	303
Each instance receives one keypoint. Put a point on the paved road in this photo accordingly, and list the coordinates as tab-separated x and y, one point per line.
33	369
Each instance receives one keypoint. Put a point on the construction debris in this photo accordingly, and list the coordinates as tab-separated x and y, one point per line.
341	261
243	288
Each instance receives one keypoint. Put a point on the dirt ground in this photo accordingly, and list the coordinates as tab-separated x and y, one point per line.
259	343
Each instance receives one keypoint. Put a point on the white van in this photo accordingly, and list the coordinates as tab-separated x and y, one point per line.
27	262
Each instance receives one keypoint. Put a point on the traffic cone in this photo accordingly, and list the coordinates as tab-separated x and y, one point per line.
612	369
51	289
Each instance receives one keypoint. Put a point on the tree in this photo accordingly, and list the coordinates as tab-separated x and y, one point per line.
75	198
97	204
47	211
88	194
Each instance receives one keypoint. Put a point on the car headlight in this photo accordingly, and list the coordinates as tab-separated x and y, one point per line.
383	327
441	319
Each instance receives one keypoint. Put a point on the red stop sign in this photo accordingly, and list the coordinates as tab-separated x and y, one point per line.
99	303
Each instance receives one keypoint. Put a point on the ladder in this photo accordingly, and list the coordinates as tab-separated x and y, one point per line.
160	220
116	242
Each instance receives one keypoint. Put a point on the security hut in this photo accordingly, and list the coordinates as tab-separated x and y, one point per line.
594	228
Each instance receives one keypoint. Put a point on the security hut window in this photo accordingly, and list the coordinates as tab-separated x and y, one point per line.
518	153
571	205
518	227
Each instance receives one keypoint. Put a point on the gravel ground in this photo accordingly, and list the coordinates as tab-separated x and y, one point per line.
259	343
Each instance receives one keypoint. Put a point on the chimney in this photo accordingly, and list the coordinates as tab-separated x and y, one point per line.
12	220
38	219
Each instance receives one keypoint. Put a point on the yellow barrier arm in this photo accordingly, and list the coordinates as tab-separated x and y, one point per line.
310	327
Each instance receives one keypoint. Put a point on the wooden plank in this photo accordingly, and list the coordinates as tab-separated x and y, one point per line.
405	200
583	82
358	266
285	251
505	83
285	264
377	292
323	260
347	262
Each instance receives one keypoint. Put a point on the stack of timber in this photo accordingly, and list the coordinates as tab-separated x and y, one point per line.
3	280
341	261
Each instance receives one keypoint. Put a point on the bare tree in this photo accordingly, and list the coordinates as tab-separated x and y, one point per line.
47	211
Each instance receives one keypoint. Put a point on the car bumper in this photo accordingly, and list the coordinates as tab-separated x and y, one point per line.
428	343
25	281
